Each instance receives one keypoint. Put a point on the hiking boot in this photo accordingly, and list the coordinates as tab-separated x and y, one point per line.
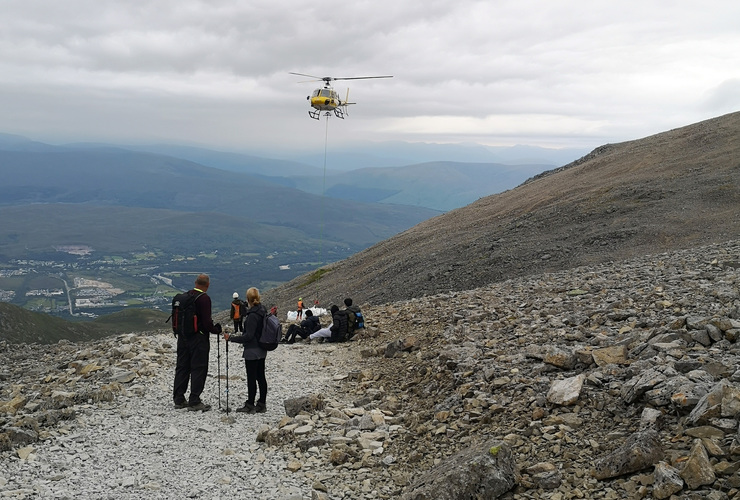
247	408
260	407
180	405
200	406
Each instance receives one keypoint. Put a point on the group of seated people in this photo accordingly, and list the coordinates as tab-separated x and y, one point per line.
344	325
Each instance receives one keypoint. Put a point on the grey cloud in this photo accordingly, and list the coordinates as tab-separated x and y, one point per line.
168	67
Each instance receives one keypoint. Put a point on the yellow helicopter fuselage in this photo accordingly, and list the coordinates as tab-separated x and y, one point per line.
324	99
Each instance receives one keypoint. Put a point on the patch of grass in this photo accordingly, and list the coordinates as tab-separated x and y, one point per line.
313	277
132	320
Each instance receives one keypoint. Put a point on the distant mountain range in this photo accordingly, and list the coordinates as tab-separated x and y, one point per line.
398	154
251	208
436	176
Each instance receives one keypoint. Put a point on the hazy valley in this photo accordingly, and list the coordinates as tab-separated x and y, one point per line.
146	221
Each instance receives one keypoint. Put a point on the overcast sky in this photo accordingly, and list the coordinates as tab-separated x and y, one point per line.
552	73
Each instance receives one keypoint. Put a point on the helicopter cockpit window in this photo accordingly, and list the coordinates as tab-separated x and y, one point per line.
325	93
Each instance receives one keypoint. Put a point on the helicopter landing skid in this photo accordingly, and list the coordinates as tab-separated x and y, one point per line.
314	113
339	113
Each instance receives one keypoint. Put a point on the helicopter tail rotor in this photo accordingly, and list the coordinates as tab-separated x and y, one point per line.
346	102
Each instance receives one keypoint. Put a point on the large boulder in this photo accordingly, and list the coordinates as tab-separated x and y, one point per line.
640	451
483	471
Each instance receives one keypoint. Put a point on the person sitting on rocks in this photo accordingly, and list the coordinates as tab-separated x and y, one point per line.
355	321
337	331
321	334
308	326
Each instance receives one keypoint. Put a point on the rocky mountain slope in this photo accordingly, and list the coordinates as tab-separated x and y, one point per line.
670	191
611	381
19	325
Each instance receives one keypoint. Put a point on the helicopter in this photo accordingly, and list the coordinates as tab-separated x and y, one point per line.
327	99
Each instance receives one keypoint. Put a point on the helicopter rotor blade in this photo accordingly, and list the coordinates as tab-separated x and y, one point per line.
303	74
361	77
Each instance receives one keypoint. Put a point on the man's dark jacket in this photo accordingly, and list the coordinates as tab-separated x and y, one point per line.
311	324
203	311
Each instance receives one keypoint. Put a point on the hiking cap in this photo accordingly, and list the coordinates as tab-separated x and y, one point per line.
236	295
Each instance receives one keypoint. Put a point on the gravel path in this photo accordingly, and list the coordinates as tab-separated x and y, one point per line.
139	446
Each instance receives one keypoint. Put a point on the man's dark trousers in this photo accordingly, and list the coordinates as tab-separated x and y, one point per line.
192	366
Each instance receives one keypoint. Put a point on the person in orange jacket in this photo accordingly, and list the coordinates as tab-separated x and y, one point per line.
237	313
300	308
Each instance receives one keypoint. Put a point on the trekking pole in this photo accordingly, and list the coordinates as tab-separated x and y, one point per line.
218	344
227	378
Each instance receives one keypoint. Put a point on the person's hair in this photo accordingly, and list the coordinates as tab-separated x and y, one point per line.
334	308
309	312
202	279
347	302
253	296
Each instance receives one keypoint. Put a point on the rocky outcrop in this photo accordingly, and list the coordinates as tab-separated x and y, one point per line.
49	383
620	377
484	471
639	452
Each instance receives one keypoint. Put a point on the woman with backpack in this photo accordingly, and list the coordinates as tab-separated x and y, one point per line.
254	355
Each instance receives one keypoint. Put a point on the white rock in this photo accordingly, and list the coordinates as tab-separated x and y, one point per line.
304	429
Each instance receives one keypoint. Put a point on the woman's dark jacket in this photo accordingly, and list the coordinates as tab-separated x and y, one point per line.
252	331
339	327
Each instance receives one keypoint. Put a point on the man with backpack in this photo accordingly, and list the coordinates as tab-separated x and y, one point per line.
193	349
355	319
237	313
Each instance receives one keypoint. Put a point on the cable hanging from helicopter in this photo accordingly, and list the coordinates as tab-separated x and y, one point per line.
327	99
